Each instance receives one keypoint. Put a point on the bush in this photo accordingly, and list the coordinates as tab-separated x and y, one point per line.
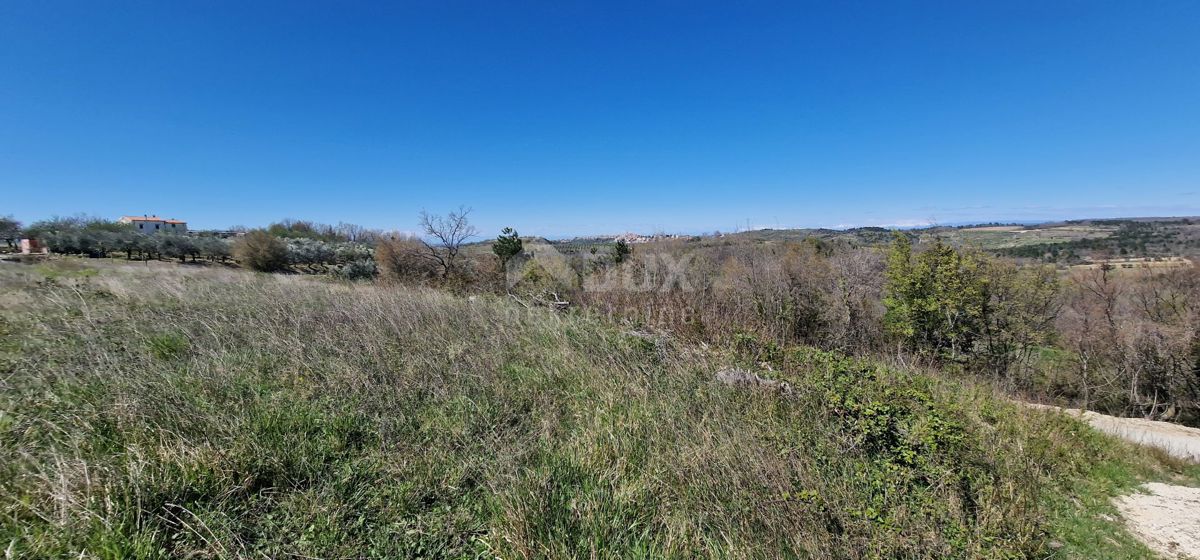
400	258
261	251
364	269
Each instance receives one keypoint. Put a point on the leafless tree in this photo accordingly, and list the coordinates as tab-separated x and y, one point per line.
445	236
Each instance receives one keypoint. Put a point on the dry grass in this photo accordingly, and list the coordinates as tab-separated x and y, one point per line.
208	413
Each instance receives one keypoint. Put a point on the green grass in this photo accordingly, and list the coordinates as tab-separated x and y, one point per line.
66	268
206	413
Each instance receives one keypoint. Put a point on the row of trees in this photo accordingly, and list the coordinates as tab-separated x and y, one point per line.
101	243
437	256
99	239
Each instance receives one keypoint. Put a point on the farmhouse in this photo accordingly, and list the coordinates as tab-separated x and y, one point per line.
154	224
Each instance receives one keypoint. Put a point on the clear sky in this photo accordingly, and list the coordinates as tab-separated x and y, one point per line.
568	117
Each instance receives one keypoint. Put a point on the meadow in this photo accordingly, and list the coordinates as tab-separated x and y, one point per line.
203	412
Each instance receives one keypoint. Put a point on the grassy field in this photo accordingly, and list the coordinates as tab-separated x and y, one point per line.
155	412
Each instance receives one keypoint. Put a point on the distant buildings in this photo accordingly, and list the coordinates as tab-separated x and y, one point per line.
637	238
155	224
631	238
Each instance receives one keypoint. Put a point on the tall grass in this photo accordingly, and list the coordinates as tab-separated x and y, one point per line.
173	412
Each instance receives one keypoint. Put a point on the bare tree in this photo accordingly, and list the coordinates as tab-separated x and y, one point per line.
447	234
350	232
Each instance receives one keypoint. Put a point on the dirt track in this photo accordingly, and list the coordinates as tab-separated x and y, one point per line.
1179	441
1166	517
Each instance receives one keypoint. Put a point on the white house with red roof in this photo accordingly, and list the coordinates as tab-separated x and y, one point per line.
155	224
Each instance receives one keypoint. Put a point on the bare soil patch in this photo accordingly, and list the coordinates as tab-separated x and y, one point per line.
1178	441
1166	518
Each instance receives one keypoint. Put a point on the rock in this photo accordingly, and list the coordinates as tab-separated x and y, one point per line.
743	378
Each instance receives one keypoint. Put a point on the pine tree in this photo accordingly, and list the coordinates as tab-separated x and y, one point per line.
621	251
507	245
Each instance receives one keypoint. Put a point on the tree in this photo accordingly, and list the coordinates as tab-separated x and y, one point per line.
448	234
177	246
10	230
352	252
964	306
213	247
621	251
936	300
131	242
353	232
507	245
261	251
310	253
1021	308
81	235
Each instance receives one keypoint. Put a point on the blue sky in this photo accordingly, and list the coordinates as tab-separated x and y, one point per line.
565	117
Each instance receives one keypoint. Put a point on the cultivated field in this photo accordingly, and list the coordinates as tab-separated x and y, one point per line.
1001	237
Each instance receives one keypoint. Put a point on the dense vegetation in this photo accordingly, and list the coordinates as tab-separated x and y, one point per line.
168	411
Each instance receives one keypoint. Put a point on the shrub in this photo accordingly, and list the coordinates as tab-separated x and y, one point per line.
364	269
400	259
261	251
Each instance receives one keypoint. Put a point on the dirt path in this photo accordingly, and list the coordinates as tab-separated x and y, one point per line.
1166	517
1179	441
